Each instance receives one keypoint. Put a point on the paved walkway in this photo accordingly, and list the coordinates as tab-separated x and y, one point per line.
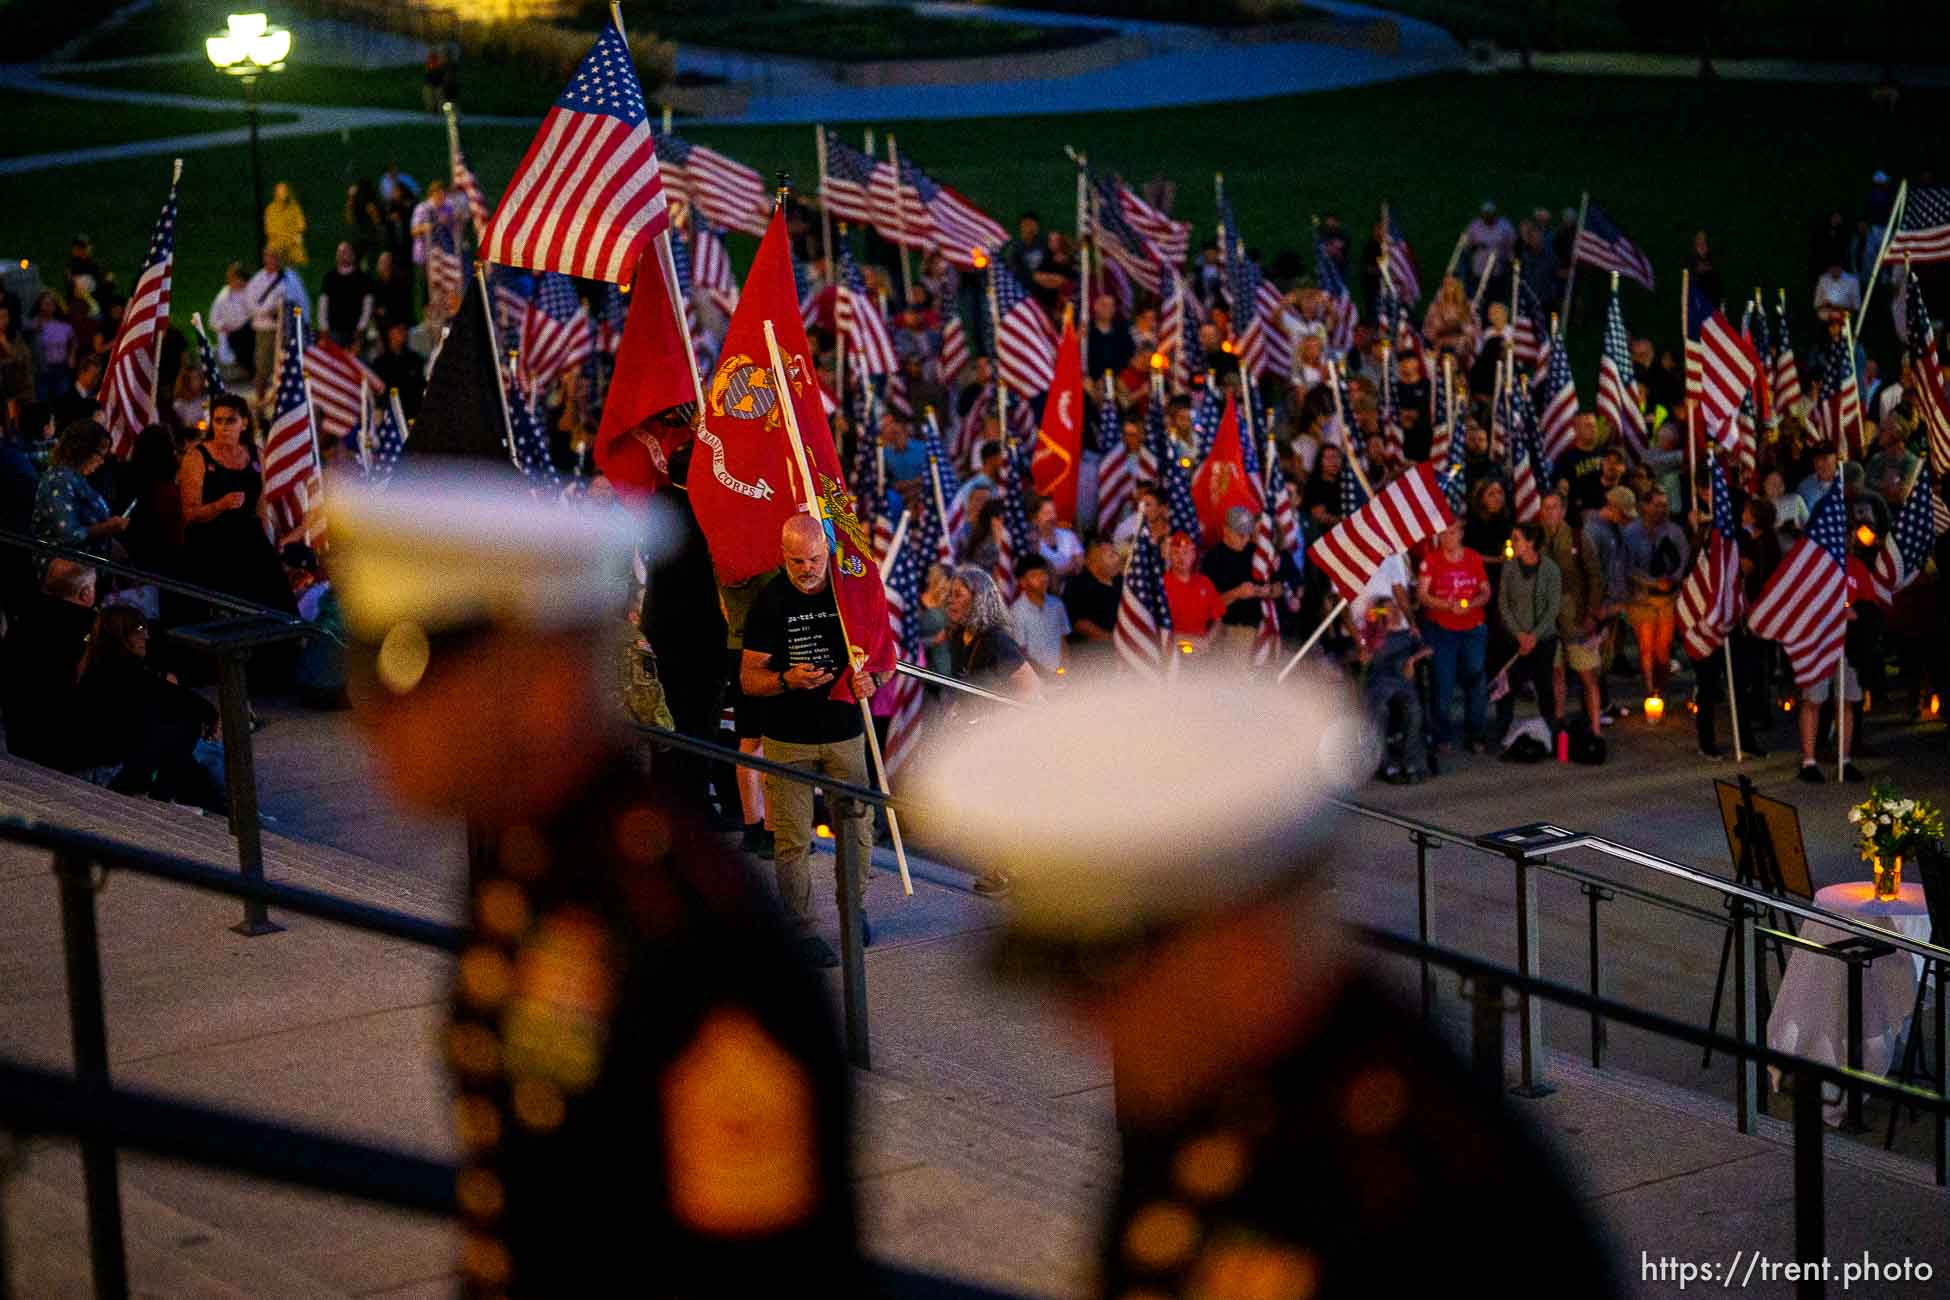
985	1119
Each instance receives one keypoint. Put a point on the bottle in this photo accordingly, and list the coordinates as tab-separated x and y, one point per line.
1563	746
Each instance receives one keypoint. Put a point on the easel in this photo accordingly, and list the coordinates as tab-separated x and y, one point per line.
1756	865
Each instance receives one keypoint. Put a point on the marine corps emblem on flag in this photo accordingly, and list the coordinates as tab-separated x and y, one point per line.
837	504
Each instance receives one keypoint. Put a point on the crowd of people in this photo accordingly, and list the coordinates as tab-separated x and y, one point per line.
1568	604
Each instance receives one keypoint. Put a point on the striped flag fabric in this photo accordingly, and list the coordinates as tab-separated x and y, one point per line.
128	391
1286	510
1557	402
1121	242
960	231
388	440
846	186
1266	569
1709	599
612	311
1172	239
1912	536
1353	495
1340	303
867	472
930	429
711	265
206	357
555	332
954	349
1923	228
447	270
1525	500
1025	346
860	321
587	198
1178	330
1442	437
1116	485
1529	327
1143	631
720	189
899	214
1804	603
1017	538
1401	264
1208	411
905	577
289	458
1927	395
1602	244
1617	403
1838	402
1412	508
1786	374
1721	368
464	179
339	384
1175	473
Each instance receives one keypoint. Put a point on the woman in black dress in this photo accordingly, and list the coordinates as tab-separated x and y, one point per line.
226	537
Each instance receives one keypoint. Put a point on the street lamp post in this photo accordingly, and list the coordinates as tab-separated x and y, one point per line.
246	49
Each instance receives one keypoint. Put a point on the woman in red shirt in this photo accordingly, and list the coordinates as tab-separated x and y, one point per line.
1193	600
1455	593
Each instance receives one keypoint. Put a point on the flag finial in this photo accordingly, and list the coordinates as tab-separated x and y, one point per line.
784	186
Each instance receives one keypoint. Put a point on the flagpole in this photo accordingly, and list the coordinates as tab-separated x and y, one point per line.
857	659
1692	401
1245	396
196	323
365	424
893	549
1455	254
311	422
1449	403
1733	703
1482	286
494	355
399	414
995	361
1571	280
1319	632
839	335
453	153
1855	382
825	213
1888	234
1347	430
1083	251
900	209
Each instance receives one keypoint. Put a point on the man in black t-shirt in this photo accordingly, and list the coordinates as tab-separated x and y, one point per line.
794	651
1230	566
1578	473
1091	599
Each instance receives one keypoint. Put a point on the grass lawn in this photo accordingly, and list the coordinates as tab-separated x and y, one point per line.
500	90
1755	165
44	123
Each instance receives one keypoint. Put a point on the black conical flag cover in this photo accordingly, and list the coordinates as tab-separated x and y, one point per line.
461	412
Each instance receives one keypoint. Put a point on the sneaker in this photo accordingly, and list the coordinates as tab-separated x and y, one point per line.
1850	772
815	951
992	884
1812	774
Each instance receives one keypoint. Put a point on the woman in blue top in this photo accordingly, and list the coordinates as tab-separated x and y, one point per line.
67	511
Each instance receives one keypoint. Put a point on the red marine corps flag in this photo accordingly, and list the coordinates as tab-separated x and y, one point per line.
1222	481
1059	446
745	480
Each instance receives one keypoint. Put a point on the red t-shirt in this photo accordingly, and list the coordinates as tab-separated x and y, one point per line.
1456	579
1194	603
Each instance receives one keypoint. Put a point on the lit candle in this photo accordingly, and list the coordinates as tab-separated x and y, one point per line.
1184	647
1655	708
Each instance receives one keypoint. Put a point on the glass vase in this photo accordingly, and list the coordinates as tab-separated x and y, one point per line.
1888	876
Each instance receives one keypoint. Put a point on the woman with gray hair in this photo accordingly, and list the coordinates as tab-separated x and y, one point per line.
981	649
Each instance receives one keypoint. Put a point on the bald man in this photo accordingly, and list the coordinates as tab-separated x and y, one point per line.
794	649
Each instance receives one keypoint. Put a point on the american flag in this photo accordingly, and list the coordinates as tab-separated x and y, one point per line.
1709	599
1172	239
944	485
511	289
1174	472
1120	241
1286	511
1412	508
711	265
612	309
959	229
1178	330
867	473
898	212
1747	420
1340	303
288	454
1838	403
339	384
846	186
555	332
721	189
954	348
1524	470
1257	305
1604	245
388	440
1803	605
1721	367
1018	538
808	292
904	580
1353	495
129	386
1266	568
860	321
1787	375
1453	485
464	181
1442	438
680	263
1529	328
447	269
1616	401
207	357
1401	264
1116	475
1932	407
938	450
1923	229
1911	537
1143	632
1025	349
1557	401
588	198
530	440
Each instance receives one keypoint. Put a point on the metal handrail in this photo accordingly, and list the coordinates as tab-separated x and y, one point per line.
148	577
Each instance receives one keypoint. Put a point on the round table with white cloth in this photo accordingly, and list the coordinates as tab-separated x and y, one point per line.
1810	1016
